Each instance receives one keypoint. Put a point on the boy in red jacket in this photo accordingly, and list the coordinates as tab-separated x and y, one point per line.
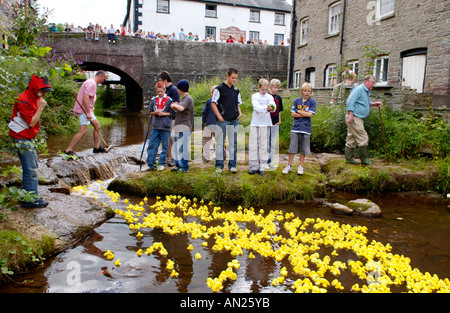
24	127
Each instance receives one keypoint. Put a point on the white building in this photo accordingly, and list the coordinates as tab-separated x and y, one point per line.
265	20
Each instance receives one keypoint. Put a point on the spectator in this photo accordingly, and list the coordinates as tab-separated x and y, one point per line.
53	28
181	35
111	34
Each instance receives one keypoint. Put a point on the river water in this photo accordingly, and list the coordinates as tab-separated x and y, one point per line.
415	226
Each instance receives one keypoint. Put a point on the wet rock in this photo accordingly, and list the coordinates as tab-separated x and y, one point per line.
365	207
341	209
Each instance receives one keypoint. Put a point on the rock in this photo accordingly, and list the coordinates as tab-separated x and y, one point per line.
365	207
341	209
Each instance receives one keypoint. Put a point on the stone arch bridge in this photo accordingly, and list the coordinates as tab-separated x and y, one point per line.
138	61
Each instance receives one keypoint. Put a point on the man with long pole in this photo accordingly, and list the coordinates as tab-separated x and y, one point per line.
86	97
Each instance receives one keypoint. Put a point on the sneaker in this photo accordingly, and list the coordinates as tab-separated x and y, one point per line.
170	163
287	169
218	170
39	203
161	168
69	152
300	170
261	172
175	169
233	170
100	149
251	172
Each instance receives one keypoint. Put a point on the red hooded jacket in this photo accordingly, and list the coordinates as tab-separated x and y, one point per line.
25	107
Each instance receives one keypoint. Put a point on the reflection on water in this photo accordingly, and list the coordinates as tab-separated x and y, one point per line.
416	227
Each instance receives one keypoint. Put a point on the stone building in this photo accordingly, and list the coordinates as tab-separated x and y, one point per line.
265	20
414	36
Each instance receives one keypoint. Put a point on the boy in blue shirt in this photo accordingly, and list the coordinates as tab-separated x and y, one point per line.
302	111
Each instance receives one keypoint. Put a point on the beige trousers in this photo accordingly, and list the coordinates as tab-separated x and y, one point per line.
356	133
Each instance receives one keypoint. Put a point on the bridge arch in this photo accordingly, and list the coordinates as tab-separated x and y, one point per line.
133	91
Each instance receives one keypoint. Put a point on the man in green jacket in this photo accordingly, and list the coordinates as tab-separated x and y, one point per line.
358	108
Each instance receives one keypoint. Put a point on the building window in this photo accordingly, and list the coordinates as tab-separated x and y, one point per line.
354	67
253	36
304	31
211	10
385	8
279	18
210	33
279	39
381	69
162	6
334	18
330	75
255	16
297	79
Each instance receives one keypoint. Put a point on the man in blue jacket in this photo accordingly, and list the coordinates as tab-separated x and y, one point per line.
358	108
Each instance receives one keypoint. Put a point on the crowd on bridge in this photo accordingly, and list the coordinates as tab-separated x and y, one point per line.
93	32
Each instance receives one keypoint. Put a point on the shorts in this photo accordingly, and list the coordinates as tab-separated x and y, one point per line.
299	141
83	118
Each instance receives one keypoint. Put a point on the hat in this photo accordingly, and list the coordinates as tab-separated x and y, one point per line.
46	89
183	85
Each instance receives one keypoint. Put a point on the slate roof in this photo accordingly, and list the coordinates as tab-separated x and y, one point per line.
276	5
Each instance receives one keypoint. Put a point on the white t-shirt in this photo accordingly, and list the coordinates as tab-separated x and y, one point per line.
260	116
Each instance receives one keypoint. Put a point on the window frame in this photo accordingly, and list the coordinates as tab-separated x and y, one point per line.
206	10
159	5
251	34
252	15
304	37
210	28
297	79
331	24
283	22
381	72
275	42
330	75
379	6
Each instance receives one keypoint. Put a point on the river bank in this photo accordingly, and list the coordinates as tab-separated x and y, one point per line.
70	218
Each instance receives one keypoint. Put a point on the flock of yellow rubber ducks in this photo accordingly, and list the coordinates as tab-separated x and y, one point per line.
280	236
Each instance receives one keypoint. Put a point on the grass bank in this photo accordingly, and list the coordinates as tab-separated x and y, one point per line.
322	172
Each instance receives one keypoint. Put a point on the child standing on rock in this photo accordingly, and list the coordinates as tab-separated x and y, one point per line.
302	111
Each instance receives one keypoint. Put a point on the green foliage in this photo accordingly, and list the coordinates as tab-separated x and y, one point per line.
18	251
110	99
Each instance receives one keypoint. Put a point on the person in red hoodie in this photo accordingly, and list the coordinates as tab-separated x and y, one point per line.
23	127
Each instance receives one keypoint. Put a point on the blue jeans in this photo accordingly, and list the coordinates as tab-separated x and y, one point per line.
28	158
229	128
181	149
157	137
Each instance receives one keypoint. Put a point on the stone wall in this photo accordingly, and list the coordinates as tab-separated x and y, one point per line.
397	98
414	25
140	60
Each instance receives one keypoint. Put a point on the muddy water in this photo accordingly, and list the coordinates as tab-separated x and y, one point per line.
415	226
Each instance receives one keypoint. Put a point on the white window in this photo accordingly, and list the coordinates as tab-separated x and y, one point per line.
384	8
162	6
304	31
334	18
211	10
297	79
279	39
210	33
381	69
331	75
279	18
255	16
254	36
354	67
